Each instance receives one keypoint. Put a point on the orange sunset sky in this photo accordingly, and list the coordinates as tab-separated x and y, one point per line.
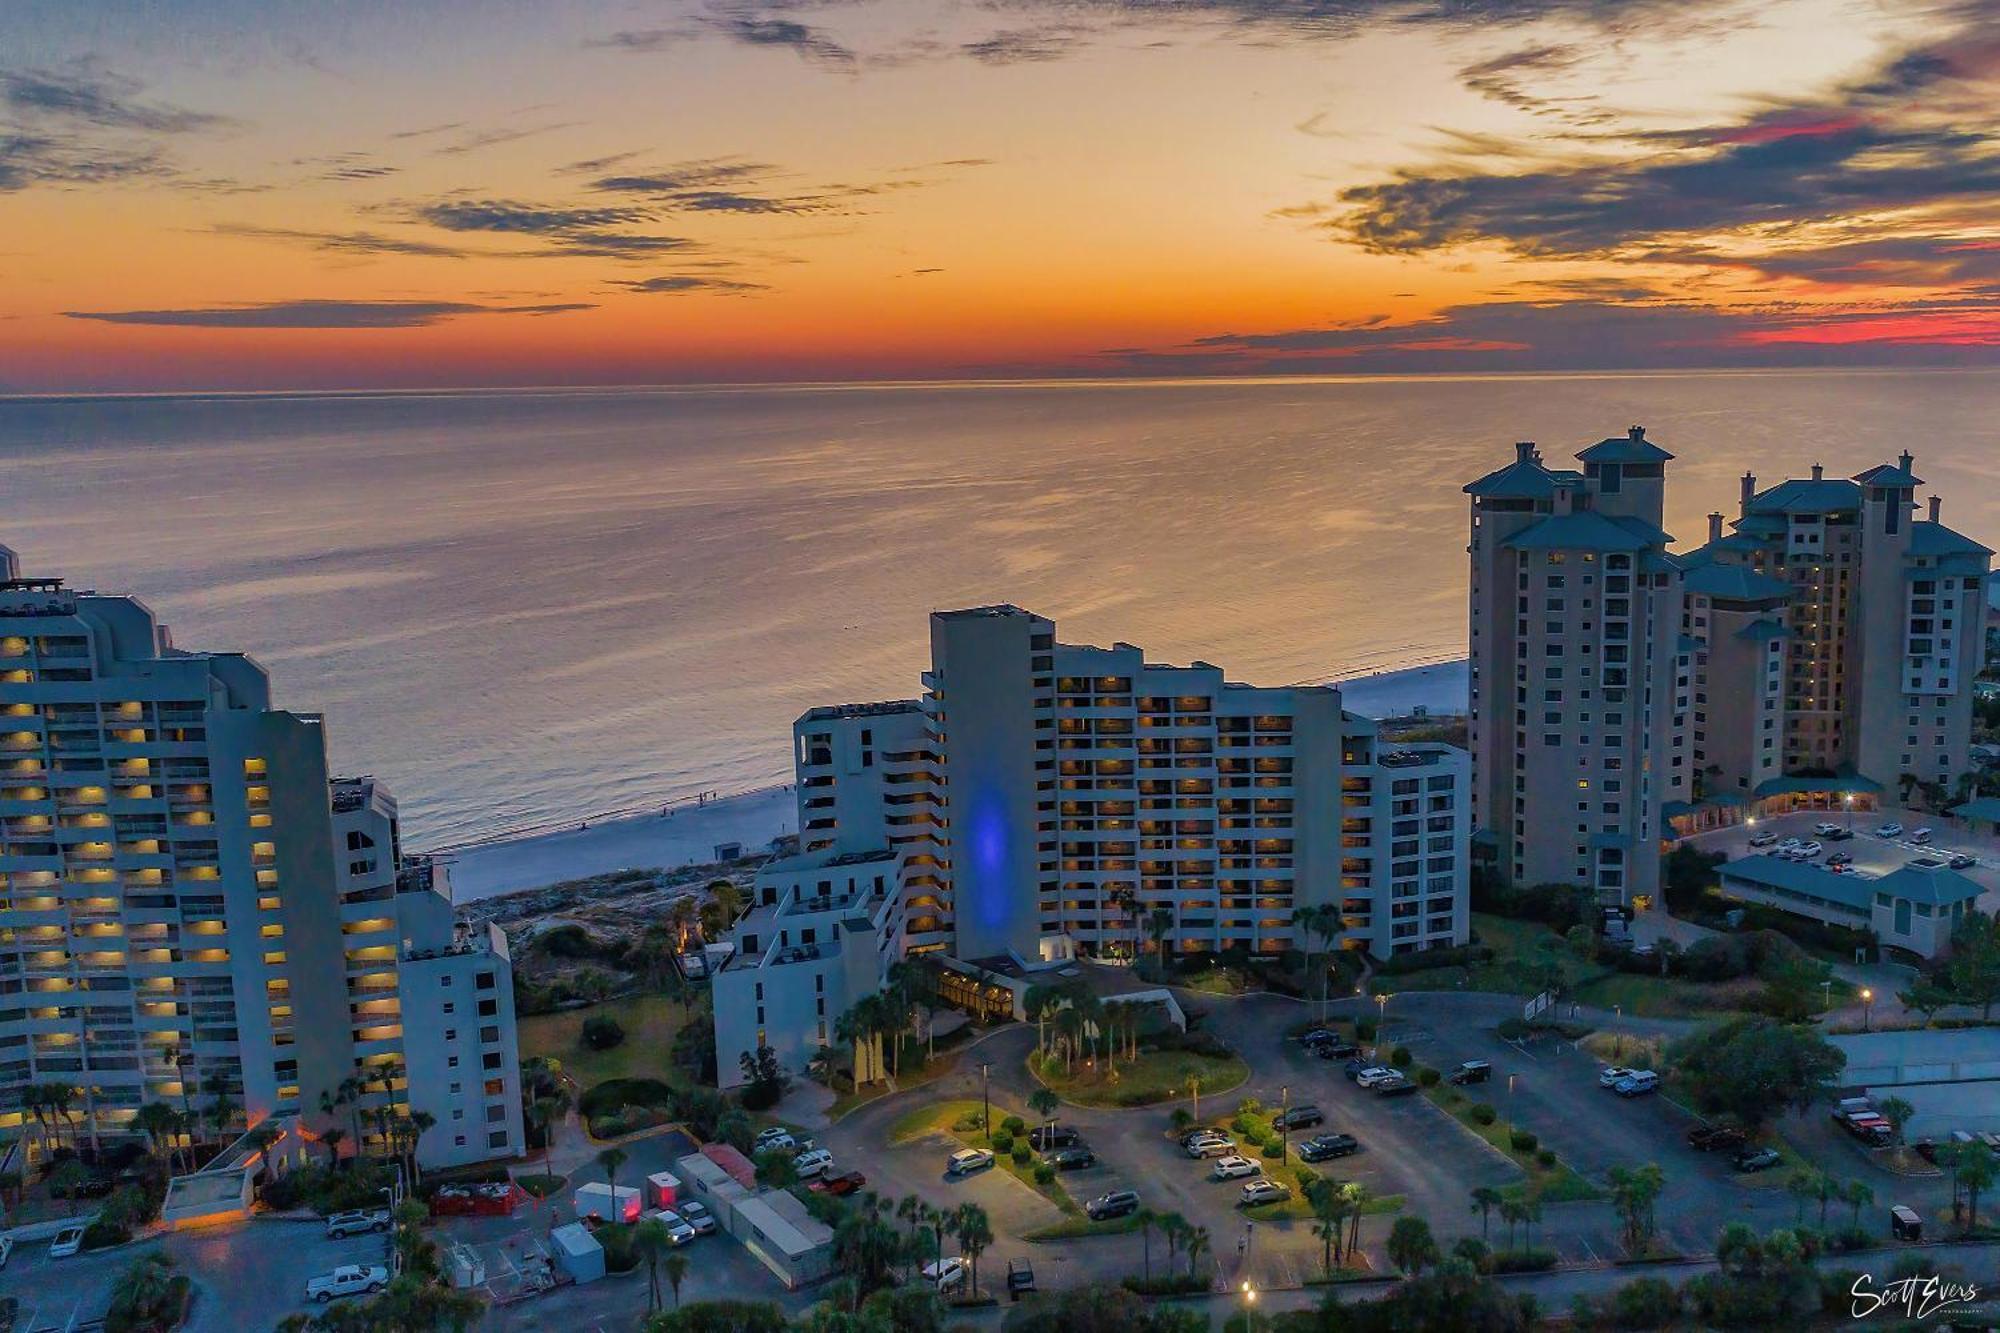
269	194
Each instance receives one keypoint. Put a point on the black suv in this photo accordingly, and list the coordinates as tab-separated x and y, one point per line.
1118	1203
1076	1157
1340	1048
1299	1117
1044	1137
1709	1138
1472	1071
1328	1145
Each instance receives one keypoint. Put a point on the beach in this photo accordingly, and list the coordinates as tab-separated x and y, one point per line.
691	833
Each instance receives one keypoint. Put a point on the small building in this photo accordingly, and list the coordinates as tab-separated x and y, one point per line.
771	1224
602	1201
661	1189
1914	907
577	1252
1981	815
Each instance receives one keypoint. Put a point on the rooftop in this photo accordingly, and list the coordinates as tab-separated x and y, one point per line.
1631	447
1927	538
885	708
1735	583
1588	530
1897	476
1800	496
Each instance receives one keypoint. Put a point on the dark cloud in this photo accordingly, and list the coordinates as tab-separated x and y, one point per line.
617	245
478	139
343	242
505	215
752	29
319	314
1889	261
642	40
1016	46
1501	78
63	159
701	174
679	283
91	96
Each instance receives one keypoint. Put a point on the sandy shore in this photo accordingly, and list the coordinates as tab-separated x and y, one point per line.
690	834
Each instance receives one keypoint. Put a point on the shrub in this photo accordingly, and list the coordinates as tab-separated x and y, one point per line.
1524	1261
1003	1142
1645	1303
620	1255
1044	1173
601	1032
1364	1029
1021	1154
969	1123
1523	1140
1181	1120
616	1092
1547	1157
1402	1058
1272	1150
1013	1124
1177	1284
1485	1114
1512	1029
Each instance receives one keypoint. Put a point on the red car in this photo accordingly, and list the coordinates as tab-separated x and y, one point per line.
843	1184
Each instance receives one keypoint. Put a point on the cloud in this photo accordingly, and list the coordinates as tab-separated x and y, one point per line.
700	174
1016	46
345	242
88	95
505	215
311	314
63	159
751	29
678	283
641	41
1499	78
478	139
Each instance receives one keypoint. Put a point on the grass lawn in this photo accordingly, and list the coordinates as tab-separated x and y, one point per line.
1545	1184
1299	1209
946	1118
929	1072
1157	1076
1667	997
1215	980
541	1186
1513	943
650	1022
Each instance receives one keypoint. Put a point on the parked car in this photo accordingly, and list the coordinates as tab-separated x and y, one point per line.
353	1224
1839	860
1020	1279
945	1274
1263	1191
1759	1159
818	1162
1839	835
1340	1048
347	1280
1044	1137
1399	1086
1316	1036
695	1213
67	1241
1215	1146
1764	839
1904	1224
1921	835
1806	851
1118	1203
1234	1167
1328	1145
1823	829
847	1182
1708	1138
1471	1071
1376	1075
678	1230
1889	831
1962	861
967	1160
774	1139
1637	1084
1203	1132
1076	1157
1299	1117
1609	1076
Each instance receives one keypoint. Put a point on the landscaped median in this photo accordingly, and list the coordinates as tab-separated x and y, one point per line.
961	1120
1550	1179
1168	1063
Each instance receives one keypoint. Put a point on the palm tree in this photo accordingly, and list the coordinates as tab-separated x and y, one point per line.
350	1097
1197	1245
1044	1103
1329	1207
650	1239
1357	1198
1484	1200
677	1271
332	1139
1859	1196
1975	1169
1161	924
974	1232
66	1180
156	1121
220	1110
681	915
1147	1219
611	1159
420	1123
140	1297
1511	1212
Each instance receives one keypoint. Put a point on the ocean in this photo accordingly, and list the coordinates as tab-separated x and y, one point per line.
525	608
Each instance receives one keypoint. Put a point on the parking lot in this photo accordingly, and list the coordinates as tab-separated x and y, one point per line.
1873	855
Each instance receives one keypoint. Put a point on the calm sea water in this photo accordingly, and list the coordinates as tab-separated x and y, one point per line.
527	607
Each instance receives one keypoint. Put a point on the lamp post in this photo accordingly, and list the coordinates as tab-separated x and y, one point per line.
1249	1305
1849	801
1867	1006
985	1102
1194	1091
1284	1121
1381	1019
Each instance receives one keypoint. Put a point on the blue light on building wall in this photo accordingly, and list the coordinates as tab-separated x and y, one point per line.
987	838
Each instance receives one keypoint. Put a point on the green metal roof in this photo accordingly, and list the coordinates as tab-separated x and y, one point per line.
1522	479
1890	475
1927	538
1982	807
1738	583
1765	630
1631	447
1805	496
1806	880
1586	530
1927	880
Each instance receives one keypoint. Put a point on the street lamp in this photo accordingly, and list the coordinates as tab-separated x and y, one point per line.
1849	799
1381	1019
1867	1005
1284	1121
985	1102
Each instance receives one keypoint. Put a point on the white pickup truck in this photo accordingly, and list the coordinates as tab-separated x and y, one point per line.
347	1280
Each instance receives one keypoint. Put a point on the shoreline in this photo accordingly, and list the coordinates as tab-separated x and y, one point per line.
690	832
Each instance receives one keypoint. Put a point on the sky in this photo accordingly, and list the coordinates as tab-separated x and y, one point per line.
276	194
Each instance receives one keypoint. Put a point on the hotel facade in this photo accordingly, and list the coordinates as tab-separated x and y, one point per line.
1820	653
1044	800
187	902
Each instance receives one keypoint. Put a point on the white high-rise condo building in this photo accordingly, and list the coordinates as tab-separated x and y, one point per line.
1044	800
189	905
1817	656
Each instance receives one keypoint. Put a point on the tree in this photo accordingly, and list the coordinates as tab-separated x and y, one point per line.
1356	1194
611	1159
602	1032
1160	924
1753	1067
1897	1112
1926	996
720	1317
676	1266
1686	874
146	1294
1974	970
1974	1169
1802	1185
763	1079
1329	1205
974	1232
1484	1200
1512	1212
1198	1243
1634	1191
67	1180
1146	1219
1859	1196
1411	1246
1044	1103
650	1239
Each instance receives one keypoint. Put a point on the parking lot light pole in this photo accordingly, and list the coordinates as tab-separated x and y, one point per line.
985	1101
1284	1121
1867	1006
1381	1019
